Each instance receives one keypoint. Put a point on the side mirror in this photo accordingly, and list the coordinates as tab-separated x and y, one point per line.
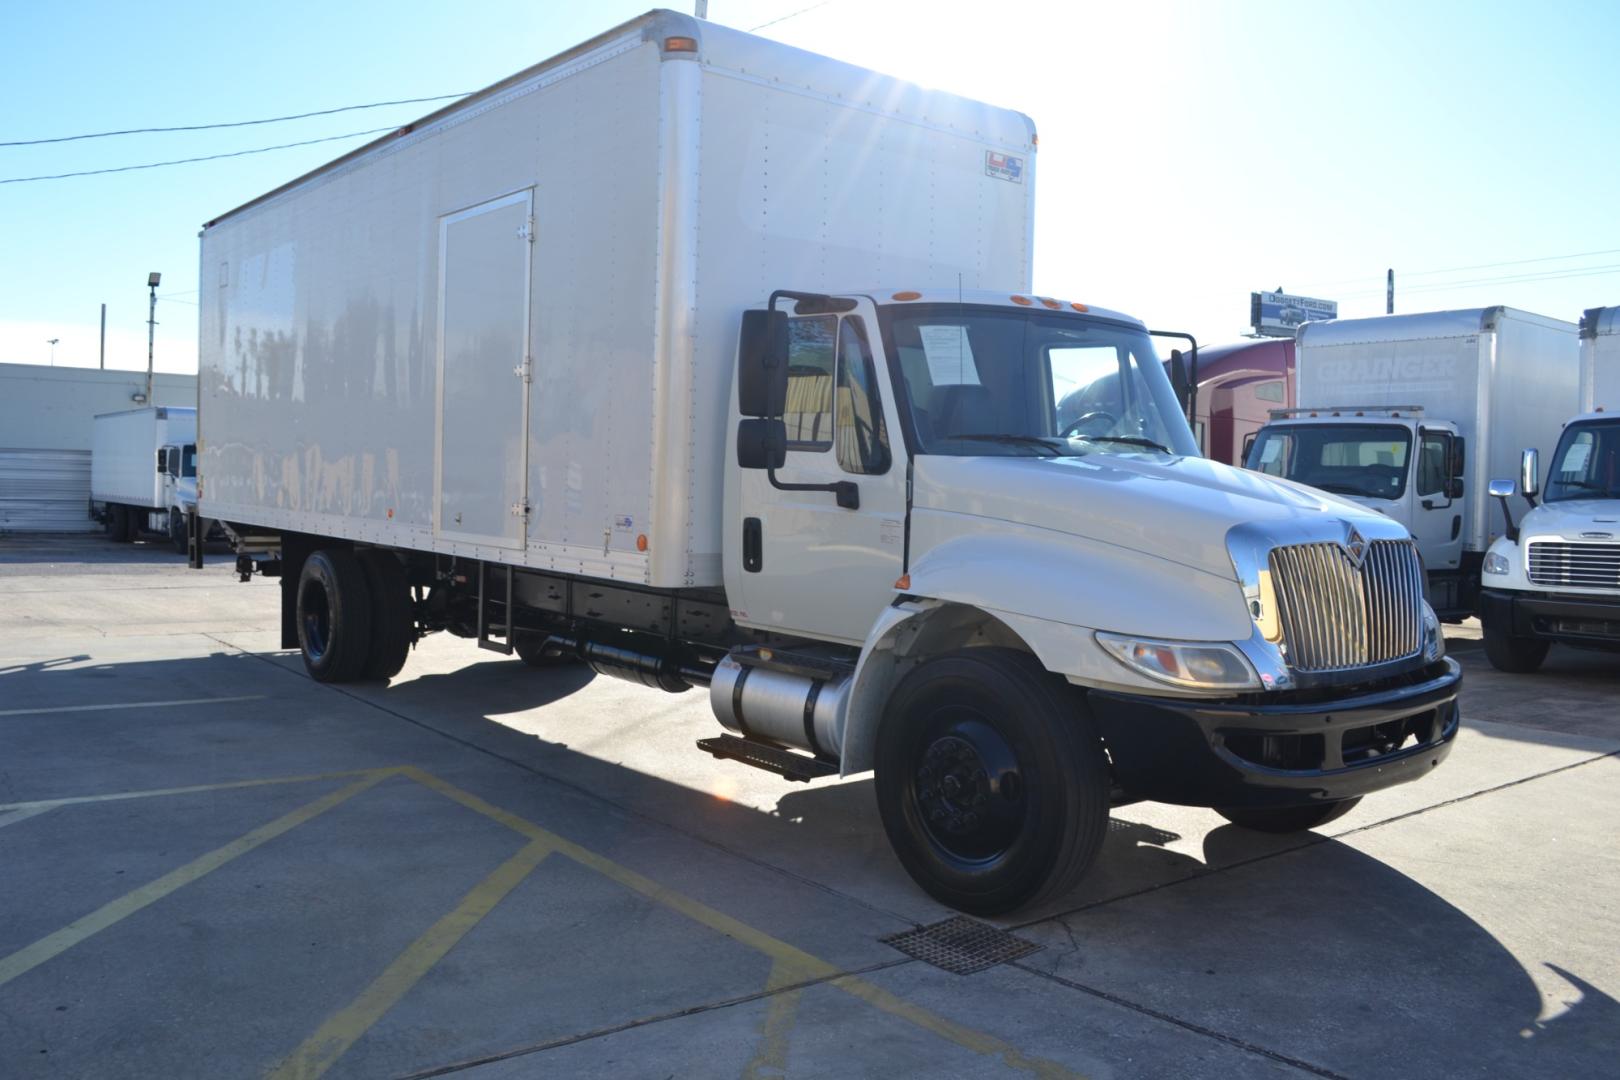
1459	458
1500	489
1529	473
762	364
1454	488
761	444
1180	382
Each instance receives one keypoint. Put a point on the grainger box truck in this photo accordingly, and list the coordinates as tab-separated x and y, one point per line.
1555	575
143	471
1412	415
707	361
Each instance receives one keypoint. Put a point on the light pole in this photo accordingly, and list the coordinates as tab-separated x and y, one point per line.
52	343
152	280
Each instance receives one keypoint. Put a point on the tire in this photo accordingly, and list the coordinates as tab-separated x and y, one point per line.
531	649
988	844
393	622
1287	819
1517	655
177	530
334	616
120	529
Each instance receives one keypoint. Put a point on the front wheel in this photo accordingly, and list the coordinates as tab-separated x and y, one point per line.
1287	819
1517	655
992	784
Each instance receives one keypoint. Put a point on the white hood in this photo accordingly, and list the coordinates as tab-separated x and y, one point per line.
1575	520
1179	509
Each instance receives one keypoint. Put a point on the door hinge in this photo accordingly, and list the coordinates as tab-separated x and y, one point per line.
526	230
521	509
525	370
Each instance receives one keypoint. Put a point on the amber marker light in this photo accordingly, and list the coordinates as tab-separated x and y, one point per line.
909	294
680	44
1022	301
1078	306
641	542
1053	304
903	582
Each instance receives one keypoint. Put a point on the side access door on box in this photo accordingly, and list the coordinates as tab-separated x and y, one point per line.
481	479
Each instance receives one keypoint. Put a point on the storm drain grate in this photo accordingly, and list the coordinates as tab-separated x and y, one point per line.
961	945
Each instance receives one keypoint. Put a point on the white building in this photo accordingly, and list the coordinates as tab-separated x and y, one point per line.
45	415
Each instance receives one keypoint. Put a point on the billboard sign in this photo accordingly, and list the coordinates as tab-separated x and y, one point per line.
1279	314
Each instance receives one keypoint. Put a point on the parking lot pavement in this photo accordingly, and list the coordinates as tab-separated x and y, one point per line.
216	867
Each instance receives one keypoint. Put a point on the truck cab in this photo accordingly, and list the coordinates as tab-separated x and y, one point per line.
1393	460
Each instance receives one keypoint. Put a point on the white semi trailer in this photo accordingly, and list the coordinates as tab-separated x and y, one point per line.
1412	415
708	361
1555	575
143	472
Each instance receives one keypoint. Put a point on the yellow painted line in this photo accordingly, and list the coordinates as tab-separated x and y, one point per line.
52	945
155	793
131	705
799	963
333	1039
22	815
770	1059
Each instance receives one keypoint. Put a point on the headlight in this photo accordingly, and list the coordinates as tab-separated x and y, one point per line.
1496	563
1201	665
1434	642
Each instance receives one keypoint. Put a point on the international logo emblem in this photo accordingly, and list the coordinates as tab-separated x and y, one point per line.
1355	546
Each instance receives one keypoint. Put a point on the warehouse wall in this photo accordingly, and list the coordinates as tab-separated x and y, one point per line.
45	417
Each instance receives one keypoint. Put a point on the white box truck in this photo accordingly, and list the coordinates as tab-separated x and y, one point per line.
1412	415
1555	575
143	472
710	362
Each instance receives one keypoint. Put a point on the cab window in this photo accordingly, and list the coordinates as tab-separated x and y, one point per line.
1432	464
809	413
863	439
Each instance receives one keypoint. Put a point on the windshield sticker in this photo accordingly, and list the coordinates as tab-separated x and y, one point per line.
950	357
1004	167
1575	458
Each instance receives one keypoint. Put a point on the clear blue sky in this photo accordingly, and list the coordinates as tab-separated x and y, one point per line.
1190	152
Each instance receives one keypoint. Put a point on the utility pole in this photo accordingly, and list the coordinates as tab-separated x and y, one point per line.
152	280
103	337
1389	293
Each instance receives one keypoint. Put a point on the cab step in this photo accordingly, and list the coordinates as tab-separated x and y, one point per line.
799	768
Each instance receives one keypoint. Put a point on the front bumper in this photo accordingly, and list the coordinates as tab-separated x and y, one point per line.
1584	619
1200	753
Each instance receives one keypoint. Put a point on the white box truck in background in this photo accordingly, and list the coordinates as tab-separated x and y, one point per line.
143	472
707	361
1555	575
1412	415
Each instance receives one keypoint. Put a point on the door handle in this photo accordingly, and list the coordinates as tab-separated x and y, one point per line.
753	550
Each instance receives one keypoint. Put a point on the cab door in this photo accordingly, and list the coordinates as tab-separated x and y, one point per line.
808	565
1437	503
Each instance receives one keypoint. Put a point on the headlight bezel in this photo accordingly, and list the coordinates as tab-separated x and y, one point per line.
1434	637
1496	564
1152	658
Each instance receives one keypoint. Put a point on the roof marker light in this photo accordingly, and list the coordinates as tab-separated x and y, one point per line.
680	44
1022	301
908	294
1078	306
1053	304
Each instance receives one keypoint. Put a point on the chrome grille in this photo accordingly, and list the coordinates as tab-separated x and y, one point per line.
1336	615
1581	566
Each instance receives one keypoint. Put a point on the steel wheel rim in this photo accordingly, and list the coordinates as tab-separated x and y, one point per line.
968	790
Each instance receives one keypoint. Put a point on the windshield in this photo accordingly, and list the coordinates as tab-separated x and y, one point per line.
1346	459
188	460
1587	462
984	380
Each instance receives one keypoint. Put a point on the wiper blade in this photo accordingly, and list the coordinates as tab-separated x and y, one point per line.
1130	440
1010	438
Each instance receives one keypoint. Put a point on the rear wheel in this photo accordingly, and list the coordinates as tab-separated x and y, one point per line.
334	616
992	785
1518	655
393	623
120	527
1286	819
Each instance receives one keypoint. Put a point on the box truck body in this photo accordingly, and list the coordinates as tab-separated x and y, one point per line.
555	329
1429	406
710	362
1555	575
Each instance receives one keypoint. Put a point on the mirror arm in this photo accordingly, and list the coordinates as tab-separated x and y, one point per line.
847	491
1512	531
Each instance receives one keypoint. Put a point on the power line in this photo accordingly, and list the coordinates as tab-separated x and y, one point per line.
231	124
1460	269
1503	279
789	15
190	160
